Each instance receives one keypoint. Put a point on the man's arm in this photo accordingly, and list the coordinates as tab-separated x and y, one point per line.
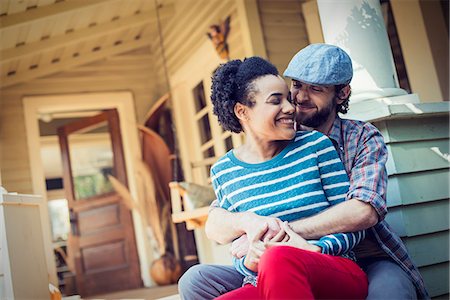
348	216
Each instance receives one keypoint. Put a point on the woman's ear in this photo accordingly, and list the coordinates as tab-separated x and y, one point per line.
240	110
344	93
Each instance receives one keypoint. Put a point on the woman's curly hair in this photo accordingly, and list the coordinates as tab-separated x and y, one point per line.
232	82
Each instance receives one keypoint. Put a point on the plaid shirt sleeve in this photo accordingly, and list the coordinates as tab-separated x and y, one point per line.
368	178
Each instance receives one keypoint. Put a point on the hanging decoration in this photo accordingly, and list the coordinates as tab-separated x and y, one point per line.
218	34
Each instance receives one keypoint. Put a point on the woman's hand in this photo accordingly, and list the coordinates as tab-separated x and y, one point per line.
294	240
256	249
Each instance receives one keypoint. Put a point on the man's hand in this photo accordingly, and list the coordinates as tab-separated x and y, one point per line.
295	240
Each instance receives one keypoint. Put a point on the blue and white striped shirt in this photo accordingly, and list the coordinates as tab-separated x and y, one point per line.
302	180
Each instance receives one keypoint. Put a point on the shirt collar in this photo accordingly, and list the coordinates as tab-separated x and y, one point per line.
335	132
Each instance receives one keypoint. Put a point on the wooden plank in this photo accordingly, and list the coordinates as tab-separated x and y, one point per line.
411	130
418	156
83	59
76	37
429	249
285	7
415	188
290	18
47	11
413	220
436	278
16	7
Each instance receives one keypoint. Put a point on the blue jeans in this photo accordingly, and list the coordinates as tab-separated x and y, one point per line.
386	281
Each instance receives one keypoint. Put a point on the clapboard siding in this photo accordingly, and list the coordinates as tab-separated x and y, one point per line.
412	130
423	218
415	188
418	192
283	29
429	249
184	35
416	156
14	145
436	278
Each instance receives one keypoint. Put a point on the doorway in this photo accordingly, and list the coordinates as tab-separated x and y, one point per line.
75	106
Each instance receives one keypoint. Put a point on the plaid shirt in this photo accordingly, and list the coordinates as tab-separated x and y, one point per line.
362	150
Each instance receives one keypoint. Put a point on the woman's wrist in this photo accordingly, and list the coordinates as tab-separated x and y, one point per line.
241	222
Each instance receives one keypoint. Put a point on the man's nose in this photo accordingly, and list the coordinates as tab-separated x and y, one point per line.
301	96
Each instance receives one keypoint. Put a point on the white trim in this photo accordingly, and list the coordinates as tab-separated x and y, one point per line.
124	103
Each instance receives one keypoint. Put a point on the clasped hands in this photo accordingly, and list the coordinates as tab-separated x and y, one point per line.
263	233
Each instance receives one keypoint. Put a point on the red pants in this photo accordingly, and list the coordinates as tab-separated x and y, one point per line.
291	273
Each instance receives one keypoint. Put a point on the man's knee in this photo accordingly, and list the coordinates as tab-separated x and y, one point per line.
387	280
192	278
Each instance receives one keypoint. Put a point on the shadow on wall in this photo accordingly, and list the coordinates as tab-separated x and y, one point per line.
366	20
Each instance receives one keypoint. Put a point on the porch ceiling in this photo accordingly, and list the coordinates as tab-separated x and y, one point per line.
42	37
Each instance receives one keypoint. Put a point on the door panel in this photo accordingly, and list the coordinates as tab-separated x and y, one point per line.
101	244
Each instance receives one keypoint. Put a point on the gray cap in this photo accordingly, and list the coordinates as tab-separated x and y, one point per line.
321	64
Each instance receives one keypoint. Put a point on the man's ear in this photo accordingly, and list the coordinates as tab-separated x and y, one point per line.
344	93
240	110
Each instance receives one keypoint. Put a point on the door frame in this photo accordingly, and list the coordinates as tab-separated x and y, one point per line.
36	106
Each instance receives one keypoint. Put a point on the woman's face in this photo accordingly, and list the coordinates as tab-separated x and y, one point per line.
273	114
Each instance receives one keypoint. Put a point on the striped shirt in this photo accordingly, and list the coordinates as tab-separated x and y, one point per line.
362	150
306	177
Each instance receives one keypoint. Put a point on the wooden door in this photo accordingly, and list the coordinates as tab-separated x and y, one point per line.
101	244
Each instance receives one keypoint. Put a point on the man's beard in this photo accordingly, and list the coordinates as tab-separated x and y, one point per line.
318	118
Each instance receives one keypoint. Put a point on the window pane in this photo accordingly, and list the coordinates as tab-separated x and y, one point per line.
228	143
91	157
199	97
208	153
59	219
204	129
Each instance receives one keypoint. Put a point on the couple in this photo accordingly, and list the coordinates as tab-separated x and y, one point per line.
279	175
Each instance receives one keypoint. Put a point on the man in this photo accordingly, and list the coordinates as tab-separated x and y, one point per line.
320	87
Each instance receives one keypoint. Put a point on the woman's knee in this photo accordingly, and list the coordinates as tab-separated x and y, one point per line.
278	256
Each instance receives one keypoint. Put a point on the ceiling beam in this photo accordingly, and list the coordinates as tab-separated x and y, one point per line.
58	8
73	62
83	34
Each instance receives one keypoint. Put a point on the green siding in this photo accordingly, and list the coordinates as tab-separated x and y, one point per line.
436	279
407	157
420	219
415	188
429	249
412	130
418	192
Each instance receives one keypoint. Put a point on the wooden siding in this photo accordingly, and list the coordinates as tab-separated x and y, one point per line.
185	34
132	71
284	30
418	192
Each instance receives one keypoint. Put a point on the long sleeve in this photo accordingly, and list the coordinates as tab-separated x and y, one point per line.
340	243
335	184
241	268
368	172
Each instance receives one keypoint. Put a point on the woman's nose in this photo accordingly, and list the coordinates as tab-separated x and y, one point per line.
288	107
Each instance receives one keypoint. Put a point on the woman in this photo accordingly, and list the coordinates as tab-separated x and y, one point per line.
281	173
